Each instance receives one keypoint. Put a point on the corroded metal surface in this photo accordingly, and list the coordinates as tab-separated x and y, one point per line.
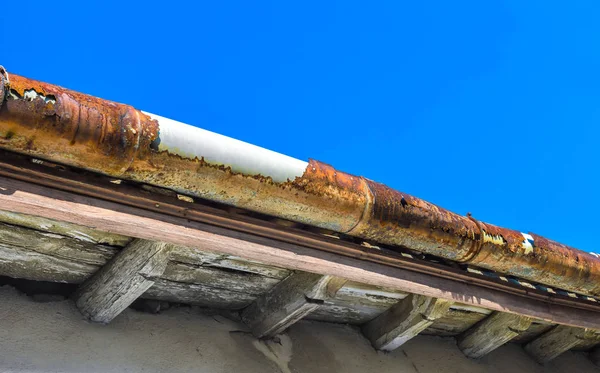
401	219
191	142
76	129
311	200
63	126
544	261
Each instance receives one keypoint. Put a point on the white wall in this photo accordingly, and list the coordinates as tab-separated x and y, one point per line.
53	337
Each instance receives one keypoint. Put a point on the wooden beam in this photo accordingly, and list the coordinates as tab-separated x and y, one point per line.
288	302
27	198
36	255
78	232
404	320
122	280
491	333
557	340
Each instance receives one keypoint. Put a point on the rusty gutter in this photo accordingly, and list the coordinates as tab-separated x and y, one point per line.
98	186
65	127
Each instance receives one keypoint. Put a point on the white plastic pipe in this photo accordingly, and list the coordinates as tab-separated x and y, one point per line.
190	142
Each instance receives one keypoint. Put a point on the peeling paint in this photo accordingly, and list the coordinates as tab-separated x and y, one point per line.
528	243
31	94
190	142
474	270
493	239
51	123
188	199
48	121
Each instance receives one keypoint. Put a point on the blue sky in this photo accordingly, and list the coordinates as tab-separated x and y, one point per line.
491	107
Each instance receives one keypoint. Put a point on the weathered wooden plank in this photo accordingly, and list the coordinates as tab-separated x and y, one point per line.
491	333
470	308
557	340
22	197
121	281
591	335
553	343
41	256
536	329
19	263
201	255
367	295
291	300
76	231
404	321
332	311
198	295
75	266
238	281
334	284
55	245
357	303
586	345
454	322
76	262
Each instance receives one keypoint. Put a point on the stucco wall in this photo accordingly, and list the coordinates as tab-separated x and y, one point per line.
52	337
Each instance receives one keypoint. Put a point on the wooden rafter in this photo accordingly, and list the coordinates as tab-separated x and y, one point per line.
122	280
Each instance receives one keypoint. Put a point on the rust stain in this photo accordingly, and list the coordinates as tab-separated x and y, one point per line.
63	126
545	261
397	218
317	198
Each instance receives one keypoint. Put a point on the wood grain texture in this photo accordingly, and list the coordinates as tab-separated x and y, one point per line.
536	329
367	295
357	303
21	197
122	280
43	256
586	345
233	280
76	231
201	254
404	321
214	281
331	311
198	295
454	322
288	302
558	340
491	333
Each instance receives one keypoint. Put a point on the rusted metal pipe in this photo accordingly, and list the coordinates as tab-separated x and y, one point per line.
53	123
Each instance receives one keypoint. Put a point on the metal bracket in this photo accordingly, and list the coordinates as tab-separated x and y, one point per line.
473	252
